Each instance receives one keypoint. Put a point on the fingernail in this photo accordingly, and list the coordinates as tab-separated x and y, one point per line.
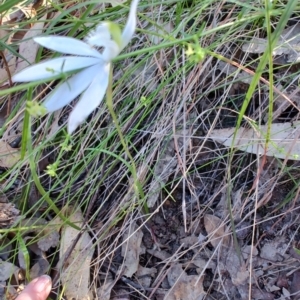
42	283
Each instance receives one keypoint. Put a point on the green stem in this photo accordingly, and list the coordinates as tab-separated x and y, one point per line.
36	179
79	23
109	101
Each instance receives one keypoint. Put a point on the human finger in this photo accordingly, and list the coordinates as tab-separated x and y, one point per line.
37	289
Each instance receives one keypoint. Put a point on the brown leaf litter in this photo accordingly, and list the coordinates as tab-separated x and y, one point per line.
187	247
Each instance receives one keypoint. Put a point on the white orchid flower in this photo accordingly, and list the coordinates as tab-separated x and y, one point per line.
92	79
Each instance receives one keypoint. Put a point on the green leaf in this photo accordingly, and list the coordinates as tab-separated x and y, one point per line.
8	5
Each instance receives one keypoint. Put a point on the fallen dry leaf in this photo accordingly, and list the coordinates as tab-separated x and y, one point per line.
281	103
8	156
284	139
275	250
145	275
295	284
215	230
2	289
40	268
6	247
258	294
8	214
75	273
233	264
189	241
49	237
104	292
7	269
200	264
184	286
286	293
287	44
131	249
28	47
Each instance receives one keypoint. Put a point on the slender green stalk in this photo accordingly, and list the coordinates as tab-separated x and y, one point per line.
261	67
265	59
36	179
137	185
26	127
8	5
26	256
22	229
84	15
270	63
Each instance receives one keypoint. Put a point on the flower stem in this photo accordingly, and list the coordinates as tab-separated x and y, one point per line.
138	190
32	165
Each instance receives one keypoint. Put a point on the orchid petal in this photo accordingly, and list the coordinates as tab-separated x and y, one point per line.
90	99
53	67
67	45
70	89
129	29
